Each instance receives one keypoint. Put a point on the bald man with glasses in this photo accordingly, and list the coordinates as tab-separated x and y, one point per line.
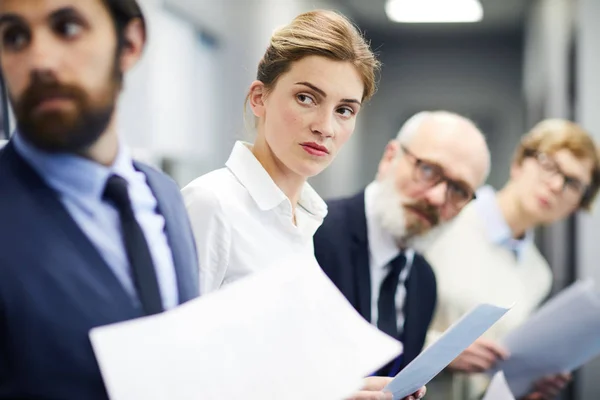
369	243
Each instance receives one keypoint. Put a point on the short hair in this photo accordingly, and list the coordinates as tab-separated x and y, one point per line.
122	13
323	33
552	135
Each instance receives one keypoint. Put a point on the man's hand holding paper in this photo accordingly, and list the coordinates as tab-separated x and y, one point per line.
561	336
549	387
480	356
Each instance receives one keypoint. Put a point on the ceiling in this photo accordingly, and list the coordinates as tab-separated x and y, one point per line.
500	17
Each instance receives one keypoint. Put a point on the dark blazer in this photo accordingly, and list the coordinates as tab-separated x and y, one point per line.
55	286
342	250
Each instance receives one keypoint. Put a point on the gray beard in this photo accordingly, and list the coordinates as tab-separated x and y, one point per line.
391	216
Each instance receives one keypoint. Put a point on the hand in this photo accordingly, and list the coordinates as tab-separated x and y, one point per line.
480	356
548	387
373	390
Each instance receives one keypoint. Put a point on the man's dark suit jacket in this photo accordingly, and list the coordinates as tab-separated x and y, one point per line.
342	250
55	286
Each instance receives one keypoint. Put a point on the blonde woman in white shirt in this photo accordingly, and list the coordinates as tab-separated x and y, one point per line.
311	83
488	254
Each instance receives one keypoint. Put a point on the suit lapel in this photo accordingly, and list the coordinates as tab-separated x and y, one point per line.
184	261
52	213
360	253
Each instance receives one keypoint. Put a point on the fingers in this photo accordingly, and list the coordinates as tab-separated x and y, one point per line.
373	386
470	363
485	356
496	349
372	389
477	364
549	387
371	395
565	377
419	394
533	396
375	383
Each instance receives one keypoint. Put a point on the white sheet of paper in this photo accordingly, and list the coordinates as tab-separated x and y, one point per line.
441	353
560	337
498	389
283	333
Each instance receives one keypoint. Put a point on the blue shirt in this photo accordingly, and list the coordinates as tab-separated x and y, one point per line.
80	184
498	230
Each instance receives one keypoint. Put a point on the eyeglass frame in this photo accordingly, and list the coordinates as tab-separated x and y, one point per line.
441	178
584	193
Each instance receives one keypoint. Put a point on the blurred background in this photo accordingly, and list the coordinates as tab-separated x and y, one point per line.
518	62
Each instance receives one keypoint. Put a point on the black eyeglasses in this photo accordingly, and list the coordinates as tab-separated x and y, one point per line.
430	174
572	187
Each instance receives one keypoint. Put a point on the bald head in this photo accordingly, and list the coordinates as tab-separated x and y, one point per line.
431	170
450	140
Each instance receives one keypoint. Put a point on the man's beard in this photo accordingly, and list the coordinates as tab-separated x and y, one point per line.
390	212
71	131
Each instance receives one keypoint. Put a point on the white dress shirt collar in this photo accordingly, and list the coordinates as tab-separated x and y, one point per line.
80	179
264	191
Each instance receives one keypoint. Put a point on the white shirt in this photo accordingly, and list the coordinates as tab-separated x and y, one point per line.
242	221
473	265
382	250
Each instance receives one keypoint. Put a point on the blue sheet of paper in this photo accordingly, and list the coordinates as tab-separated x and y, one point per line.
560	337
441	353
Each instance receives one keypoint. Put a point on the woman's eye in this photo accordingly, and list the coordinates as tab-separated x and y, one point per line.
346	111
305	99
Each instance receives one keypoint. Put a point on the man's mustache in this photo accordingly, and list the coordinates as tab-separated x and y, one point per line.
39	92
430	212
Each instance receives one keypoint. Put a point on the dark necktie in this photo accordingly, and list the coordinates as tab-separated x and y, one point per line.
138	253
386	304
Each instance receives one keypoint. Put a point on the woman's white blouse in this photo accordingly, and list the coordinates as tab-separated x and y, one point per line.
242	221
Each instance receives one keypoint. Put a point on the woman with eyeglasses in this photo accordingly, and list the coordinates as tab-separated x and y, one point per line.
311	83
488	253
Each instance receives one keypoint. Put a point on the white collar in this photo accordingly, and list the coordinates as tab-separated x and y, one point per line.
264	191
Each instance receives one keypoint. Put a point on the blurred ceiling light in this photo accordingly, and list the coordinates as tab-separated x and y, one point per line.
434	11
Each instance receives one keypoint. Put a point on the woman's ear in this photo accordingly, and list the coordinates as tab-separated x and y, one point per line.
256	97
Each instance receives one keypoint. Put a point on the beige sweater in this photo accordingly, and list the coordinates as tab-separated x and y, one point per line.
471	269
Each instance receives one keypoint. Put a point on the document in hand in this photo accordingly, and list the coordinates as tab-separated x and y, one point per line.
283	333
561	336
498	389
437	356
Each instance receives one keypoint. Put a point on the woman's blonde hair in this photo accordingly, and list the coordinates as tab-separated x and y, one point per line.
322	33
552	135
